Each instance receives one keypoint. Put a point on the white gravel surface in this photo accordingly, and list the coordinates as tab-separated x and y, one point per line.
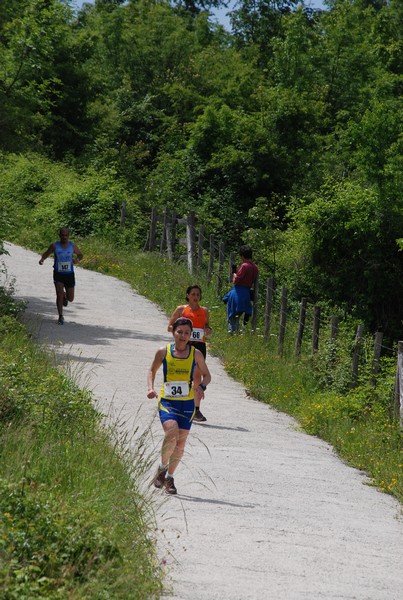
264	511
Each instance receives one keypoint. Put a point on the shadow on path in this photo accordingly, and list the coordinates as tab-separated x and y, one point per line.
208	426
42	314
211	501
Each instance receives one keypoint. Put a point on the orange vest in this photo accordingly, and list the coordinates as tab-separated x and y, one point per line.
198	318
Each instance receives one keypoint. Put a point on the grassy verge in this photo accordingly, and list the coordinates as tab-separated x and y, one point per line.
356	422
73	521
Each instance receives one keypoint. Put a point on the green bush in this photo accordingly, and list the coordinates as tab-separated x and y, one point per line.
43	540
73	523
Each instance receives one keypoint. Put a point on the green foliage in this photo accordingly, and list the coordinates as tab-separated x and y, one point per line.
342	221
72	520
285	134
43	89
153	105
31	190
45	540
48	399
38	196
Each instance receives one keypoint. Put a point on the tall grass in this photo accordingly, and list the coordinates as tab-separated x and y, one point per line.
315	390
75	521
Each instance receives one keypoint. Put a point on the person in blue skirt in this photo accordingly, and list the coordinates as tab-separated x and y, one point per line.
238	299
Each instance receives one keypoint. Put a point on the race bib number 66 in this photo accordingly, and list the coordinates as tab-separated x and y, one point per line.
197	335
176	389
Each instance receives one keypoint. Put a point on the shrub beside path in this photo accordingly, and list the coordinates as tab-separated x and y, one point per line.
264	511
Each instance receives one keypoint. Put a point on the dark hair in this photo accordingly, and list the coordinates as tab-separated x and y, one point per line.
245	251
182	321
192	287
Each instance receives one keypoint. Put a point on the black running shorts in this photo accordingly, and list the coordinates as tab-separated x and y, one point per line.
67	278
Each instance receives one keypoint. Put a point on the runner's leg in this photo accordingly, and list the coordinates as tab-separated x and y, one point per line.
70	294
59	287
176	456
171	430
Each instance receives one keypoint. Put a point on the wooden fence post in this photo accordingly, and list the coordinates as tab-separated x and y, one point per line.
356	353
153	229
165	223
268	307
210	267
283	320
377	355
301	326
200	244
397	407
334	328
123	215
173	223
231	262
190	240
255	302
169	238
220	267
315	329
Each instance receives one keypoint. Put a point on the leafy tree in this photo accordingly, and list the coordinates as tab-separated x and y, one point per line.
194	7
260	22
342	247
43	89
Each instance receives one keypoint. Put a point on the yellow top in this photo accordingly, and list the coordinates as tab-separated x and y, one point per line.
178	375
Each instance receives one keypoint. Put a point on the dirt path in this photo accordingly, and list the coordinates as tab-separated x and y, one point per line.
264	511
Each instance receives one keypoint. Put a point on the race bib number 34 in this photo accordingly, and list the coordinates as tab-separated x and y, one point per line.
176	389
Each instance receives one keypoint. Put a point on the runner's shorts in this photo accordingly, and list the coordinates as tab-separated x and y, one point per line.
67	278
180	411
200	346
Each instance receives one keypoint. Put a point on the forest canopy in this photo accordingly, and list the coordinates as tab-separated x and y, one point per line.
285	133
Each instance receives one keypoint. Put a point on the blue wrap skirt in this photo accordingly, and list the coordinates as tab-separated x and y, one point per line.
238	301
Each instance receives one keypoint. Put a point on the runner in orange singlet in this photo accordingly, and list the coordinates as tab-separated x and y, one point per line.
199	315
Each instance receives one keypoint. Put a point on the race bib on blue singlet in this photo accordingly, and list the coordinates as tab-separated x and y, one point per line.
63	267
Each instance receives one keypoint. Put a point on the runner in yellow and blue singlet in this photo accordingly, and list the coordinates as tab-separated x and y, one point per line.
177	393
176	404
199	315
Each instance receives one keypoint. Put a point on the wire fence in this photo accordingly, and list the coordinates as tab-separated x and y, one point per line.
182	240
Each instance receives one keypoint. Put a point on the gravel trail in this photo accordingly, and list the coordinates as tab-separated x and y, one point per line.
264	511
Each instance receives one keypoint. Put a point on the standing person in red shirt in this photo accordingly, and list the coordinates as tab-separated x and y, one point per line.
199	315
238	299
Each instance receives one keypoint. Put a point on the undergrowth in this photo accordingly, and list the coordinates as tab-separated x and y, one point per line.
74	521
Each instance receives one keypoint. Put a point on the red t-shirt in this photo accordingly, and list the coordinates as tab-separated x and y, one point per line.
246	274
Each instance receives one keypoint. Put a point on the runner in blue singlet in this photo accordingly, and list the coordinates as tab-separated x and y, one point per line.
66	256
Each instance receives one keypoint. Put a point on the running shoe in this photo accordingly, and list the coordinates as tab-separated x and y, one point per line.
198	416
65	301
170	486
159	478
61	320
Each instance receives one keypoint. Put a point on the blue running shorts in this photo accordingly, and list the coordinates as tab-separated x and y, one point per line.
180	411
